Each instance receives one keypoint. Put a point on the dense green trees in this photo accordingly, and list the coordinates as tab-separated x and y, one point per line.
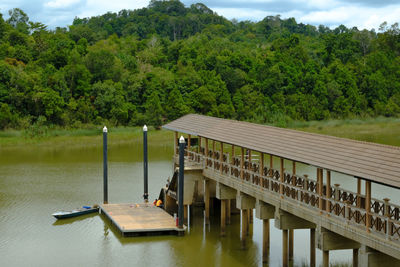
158	63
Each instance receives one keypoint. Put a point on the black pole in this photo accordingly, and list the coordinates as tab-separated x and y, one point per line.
180	180
145	165
105	167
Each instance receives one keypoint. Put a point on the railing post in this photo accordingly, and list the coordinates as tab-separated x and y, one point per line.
242	163
261	169
233	155
328	192
189	142
282	177
368	205
221	156
387	215
358	193
213	154
320	188
199	144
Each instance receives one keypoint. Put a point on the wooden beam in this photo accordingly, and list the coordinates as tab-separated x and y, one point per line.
244	227
358	193
291	248
189	141
250	167
312	247
233	155
325	258
355	257
261	167
228	211
221	154
199	144
285	262
242	163
328	191
207	200
282	178
213	149
206	148
368	204
320	187
265	240
223	216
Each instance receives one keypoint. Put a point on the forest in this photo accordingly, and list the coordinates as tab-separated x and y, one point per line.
155	64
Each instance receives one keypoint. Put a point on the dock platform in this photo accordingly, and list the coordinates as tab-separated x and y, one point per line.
140	219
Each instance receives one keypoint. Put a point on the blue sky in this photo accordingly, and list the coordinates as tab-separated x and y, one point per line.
360	13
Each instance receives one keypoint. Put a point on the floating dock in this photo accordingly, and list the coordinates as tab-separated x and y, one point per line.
141	219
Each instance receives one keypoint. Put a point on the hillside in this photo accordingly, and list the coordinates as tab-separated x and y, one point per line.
155	64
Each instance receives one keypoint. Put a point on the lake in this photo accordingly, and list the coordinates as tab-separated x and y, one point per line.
36	180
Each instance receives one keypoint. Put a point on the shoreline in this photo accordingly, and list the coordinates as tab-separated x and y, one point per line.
377	130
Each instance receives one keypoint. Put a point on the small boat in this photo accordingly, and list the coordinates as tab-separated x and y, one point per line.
75	212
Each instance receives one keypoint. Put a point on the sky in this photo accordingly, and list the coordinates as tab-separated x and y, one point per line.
364	14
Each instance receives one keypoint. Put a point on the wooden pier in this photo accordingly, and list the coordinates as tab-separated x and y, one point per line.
235	162
140	219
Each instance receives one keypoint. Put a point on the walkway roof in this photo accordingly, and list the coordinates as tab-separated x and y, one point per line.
374	162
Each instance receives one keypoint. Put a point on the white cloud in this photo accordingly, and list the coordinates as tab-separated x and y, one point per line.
361	17
61	3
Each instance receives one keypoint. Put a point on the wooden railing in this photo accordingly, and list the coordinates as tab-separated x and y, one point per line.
343	204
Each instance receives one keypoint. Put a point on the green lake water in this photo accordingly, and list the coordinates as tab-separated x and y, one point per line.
36	181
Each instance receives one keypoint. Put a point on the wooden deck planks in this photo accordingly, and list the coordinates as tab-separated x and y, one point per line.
139	218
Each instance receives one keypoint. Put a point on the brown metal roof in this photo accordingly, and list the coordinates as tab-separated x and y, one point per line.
375	162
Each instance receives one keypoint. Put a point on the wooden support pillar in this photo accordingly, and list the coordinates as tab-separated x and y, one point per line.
242	163
223	216
189	141
325	258
285	262
368	204
282	177
207	200
265	240
228	211
355	257
248	221
185	214
244	227
312	247
328	191
291	248
221	156
358	193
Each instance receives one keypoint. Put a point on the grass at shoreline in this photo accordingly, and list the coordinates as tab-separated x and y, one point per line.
379	130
